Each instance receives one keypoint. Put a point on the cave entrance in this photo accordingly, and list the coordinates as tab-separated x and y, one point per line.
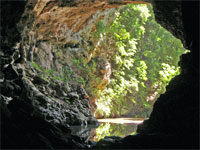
120	56
144	59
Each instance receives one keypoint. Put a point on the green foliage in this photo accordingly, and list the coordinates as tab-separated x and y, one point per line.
67	100
146	59
46	73
168	72
68	74
141	70
100	28
133	133
86	71
36	66
103	130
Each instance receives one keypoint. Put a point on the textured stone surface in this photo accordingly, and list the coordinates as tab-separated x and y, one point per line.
61	36
35	113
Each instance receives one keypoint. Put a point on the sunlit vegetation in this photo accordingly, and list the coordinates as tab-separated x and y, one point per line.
146	59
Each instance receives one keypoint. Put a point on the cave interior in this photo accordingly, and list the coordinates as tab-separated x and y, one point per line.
173	123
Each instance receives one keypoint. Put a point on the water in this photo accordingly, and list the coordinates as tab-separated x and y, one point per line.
108	127
115	127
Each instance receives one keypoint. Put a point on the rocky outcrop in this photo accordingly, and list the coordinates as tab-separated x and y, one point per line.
41	97
36	112
31	108
63	41
62	45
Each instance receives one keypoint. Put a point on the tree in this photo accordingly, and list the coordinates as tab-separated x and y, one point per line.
145	60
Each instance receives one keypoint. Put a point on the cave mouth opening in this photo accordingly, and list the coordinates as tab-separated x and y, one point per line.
145	61
120	56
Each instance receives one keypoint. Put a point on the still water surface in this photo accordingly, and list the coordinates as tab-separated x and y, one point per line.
108	127
115	127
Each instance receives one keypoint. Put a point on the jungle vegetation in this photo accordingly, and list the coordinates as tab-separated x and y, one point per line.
146	59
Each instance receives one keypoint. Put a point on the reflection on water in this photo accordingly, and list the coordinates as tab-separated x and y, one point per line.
115	127
84	132
108	127
111	129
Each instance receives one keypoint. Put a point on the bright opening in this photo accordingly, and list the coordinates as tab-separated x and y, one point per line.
146	60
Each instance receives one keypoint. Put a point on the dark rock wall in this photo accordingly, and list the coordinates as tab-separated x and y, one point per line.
9	32
175	109
176	112
29	118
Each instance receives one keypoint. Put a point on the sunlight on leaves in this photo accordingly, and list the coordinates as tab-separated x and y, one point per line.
145	60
